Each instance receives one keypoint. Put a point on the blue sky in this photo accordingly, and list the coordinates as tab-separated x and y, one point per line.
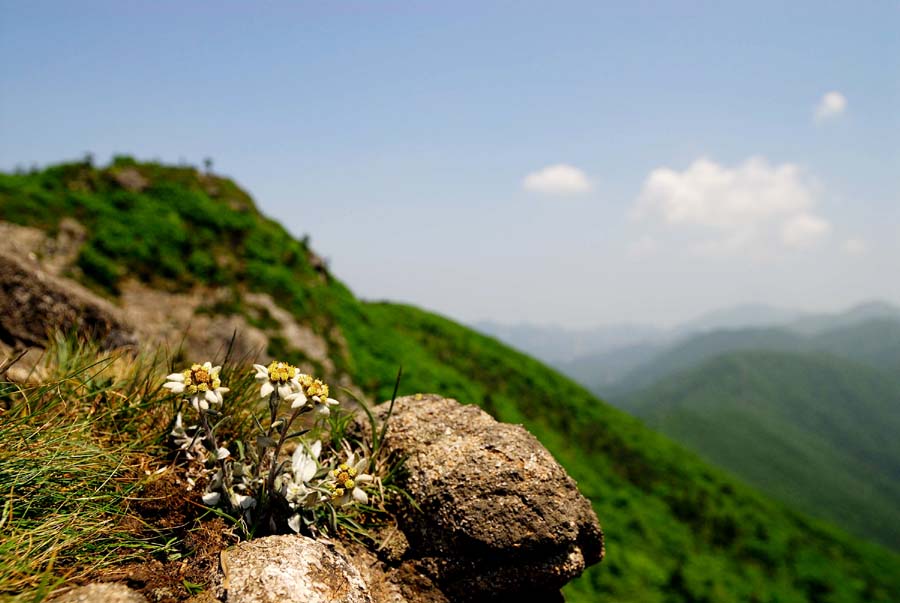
706	154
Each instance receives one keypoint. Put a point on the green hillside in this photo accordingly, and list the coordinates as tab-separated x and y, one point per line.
816	431
677	529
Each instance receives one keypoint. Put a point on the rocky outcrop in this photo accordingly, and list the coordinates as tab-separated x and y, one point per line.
34	304
36	298
498	516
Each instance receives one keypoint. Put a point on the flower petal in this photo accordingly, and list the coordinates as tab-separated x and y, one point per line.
308	471
294	523
211	397
211	499
266	389
284	391
360	496
298	400
174	386
261	371
175	377
316	448
245	502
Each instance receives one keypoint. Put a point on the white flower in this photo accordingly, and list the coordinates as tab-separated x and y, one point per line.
345	482
303	469
294	523
323	407
201	382
317	391
282	378
242	501
211	499
303	463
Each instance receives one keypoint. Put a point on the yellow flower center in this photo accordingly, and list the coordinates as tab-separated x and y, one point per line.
317	388
281	372
198	378
343	476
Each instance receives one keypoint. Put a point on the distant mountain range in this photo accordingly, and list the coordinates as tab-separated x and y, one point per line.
619	358
805	407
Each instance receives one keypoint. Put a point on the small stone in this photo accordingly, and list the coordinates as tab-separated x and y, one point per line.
289	569
100	592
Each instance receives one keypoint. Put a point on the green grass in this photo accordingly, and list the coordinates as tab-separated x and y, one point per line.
69	452
677	529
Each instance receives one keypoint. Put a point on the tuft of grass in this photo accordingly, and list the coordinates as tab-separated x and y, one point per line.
74	450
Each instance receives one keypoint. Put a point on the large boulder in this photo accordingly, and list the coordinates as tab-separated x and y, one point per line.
498	517
34	304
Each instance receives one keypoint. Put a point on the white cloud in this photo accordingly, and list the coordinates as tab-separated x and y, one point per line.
738	207
830	106
803	230
855	246
558	179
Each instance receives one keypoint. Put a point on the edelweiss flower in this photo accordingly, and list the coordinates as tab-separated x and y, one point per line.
317	391
282	378
303	468
201	382
345	480
304	463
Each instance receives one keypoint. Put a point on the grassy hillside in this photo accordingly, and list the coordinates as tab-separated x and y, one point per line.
677	529
816	431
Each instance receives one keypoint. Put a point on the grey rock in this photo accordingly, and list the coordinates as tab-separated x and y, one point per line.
499	516
100	592
34	303
289	569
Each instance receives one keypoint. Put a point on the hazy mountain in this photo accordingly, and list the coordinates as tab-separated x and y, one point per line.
620	358
872	310
873	342
558	345
816	431
739	317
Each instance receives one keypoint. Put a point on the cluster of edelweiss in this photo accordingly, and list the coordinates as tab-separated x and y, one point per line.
253	480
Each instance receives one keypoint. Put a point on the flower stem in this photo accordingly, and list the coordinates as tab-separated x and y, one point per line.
285	429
